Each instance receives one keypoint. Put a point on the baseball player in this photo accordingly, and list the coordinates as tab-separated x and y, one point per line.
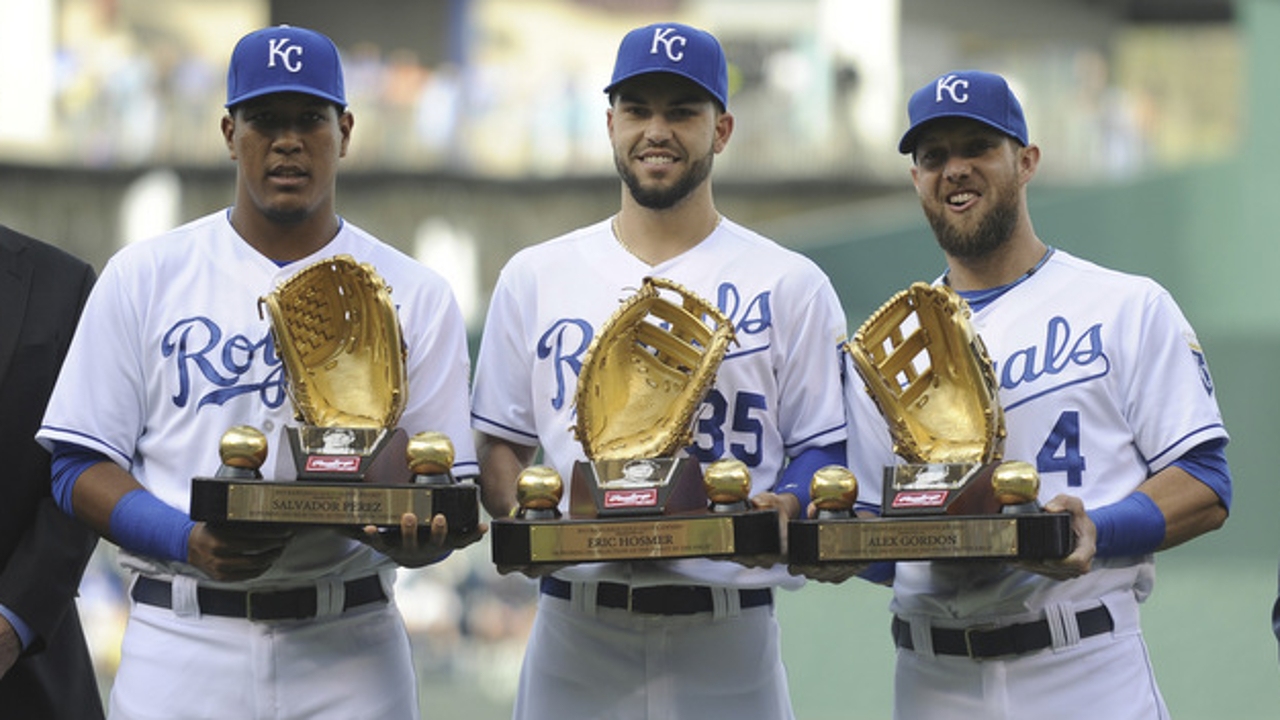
687	638
171	352
1105	390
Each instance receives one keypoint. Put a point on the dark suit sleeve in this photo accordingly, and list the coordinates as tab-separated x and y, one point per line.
40	576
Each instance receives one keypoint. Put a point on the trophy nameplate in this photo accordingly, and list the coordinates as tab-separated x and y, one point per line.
647	509
953	498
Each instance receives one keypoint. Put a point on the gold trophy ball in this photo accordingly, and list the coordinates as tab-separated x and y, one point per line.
833	488
430	453
727	481
539	487
1015	482
243	446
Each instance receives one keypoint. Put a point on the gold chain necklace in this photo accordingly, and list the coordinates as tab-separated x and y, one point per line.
617	235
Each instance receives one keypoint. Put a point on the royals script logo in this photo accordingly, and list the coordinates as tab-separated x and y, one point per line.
218	368
567	340
1065	357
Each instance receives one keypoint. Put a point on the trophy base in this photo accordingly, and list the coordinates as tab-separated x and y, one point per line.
662	537
1020	536
332	504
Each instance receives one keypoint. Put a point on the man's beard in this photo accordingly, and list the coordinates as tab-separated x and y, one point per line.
992	232
662	198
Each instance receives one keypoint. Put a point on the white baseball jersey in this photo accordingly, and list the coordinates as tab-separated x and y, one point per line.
171	352
1103	384
774	396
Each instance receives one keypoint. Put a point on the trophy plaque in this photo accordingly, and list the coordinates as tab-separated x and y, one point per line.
676	511
954	497
637	497
338	336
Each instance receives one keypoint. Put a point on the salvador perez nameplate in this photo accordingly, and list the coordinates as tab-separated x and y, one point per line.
1033	536
518	541
333	504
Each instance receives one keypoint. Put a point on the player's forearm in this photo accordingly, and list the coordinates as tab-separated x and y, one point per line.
500	466
97	491
1190	507
111	501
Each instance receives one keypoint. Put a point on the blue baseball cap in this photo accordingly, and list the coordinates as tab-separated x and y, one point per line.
284	58
972	94
673	48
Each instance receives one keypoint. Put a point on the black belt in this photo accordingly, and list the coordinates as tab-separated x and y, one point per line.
1019	639
658	599
295	604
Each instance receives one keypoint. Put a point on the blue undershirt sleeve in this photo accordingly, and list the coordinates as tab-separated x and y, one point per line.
798	473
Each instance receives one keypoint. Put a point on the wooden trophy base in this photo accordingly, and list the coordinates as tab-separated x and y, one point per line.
667	521
1011	536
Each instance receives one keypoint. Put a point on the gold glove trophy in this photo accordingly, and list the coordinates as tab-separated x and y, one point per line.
637	496
337	333
931	378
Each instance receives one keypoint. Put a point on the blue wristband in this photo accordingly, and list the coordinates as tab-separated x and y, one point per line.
143	523
1132	526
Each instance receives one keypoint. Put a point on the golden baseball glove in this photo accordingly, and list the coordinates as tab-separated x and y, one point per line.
931	378
646	373
337	332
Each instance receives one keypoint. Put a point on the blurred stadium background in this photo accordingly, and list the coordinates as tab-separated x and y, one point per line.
480	129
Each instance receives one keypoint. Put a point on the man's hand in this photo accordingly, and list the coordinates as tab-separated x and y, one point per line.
413	546
1080	561
234	552
10	646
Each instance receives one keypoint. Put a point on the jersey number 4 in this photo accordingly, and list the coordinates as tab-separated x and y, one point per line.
1061	450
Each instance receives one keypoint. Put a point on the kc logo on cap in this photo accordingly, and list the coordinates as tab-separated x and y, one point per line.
677	49
954	86
980	96
288	52
285	59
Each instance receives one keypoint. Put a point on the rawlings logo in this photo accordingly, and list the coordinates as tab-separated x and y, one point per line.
956	87
631	498
668	39
333	463
290	55
920	498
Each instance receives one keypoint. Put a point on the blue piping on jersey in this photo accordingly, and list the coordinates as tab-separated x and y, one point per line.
820	433
128	461
1056	388
483	419
1182	439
